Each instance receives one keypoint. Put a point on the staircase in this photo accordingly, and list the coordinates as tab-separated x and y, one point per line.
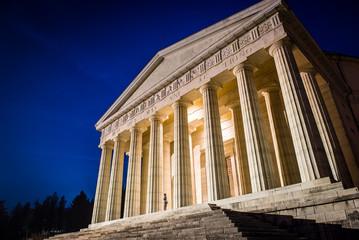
251	227
207	222
269	226
312	210
319	200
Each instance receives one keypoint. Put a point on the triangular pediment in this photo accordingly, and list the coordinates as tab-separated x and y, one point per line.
170	60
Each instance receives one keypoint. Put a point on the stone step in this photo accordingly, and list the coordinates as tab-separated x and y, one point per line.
251	226
259	228
243	224
292	197
275	238
207	222
328	196
318	183
267	234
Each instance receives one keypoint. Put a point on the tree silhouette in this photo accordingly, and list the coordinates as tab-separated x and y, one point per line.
79	213
60	223
37	222
4	221
19	222
46	219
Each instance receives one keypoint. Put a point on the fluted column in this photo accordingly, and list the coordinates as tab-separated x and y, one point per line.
217	178
282	140
167	170
190	131
144	177
242	167
100	204
155	167
309	149
182	164
113	210
133	187
259	157
330	141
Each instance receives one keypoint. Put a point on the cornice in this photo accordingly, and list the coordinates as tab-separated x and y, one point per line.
311	50
155	61
248	12
244	28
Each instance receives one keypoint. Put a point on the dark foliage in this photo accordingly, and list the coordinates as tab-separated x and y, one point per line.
18	224
45	219
79	213
4	221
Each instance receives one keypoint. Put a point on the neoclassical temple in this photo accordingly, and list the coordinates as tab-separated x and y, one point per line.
246	105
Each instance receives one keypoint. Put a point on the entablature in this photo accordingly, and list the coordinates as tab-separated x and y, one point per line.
199	71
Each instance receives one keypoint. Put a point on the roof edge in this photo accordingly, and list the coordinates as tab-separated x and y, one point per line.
217	26
147	70
158	58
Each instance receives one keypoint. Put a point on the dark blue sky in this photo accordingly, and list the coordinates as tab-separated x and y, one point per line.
64	62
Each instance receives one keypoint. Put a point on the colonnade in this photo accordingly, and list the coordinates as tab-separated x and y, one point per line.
305	145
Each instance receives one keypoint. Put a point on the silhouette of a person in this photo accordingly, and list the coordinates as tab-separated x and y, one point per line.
165	202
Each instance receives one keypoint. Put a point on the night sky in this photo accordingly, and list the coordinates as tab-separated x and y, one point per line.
64	62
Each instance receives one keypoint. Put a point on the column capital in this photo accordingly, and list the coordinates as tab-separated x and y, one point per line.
182	102
212	85
271	88
244	65
167	139
283	42
307	70
146	147
137	129
157	116
234	104
120	139
107	145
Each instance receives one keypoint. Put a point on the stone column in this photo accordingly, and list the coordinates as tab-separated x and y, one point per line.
155	167
182	194
234	170
330	141
144	177
197	173
282	140
241	161
113	210
167	170
309	149
99	208
190	131
217	179
259	157
133	187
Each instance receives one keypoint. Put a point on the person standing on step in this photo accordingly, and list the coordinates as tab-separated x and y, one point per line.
165	202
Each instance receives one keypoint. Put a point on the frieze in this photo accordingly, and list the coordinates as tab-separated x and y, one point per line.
181	81
227	51
116	123
218	57
210	62
245	40
254	33
235	46
108	129
198	70
195	72
169	89
264	27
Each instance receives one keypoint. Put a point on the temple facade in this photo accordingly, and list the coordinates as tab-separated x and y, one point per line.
246	105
